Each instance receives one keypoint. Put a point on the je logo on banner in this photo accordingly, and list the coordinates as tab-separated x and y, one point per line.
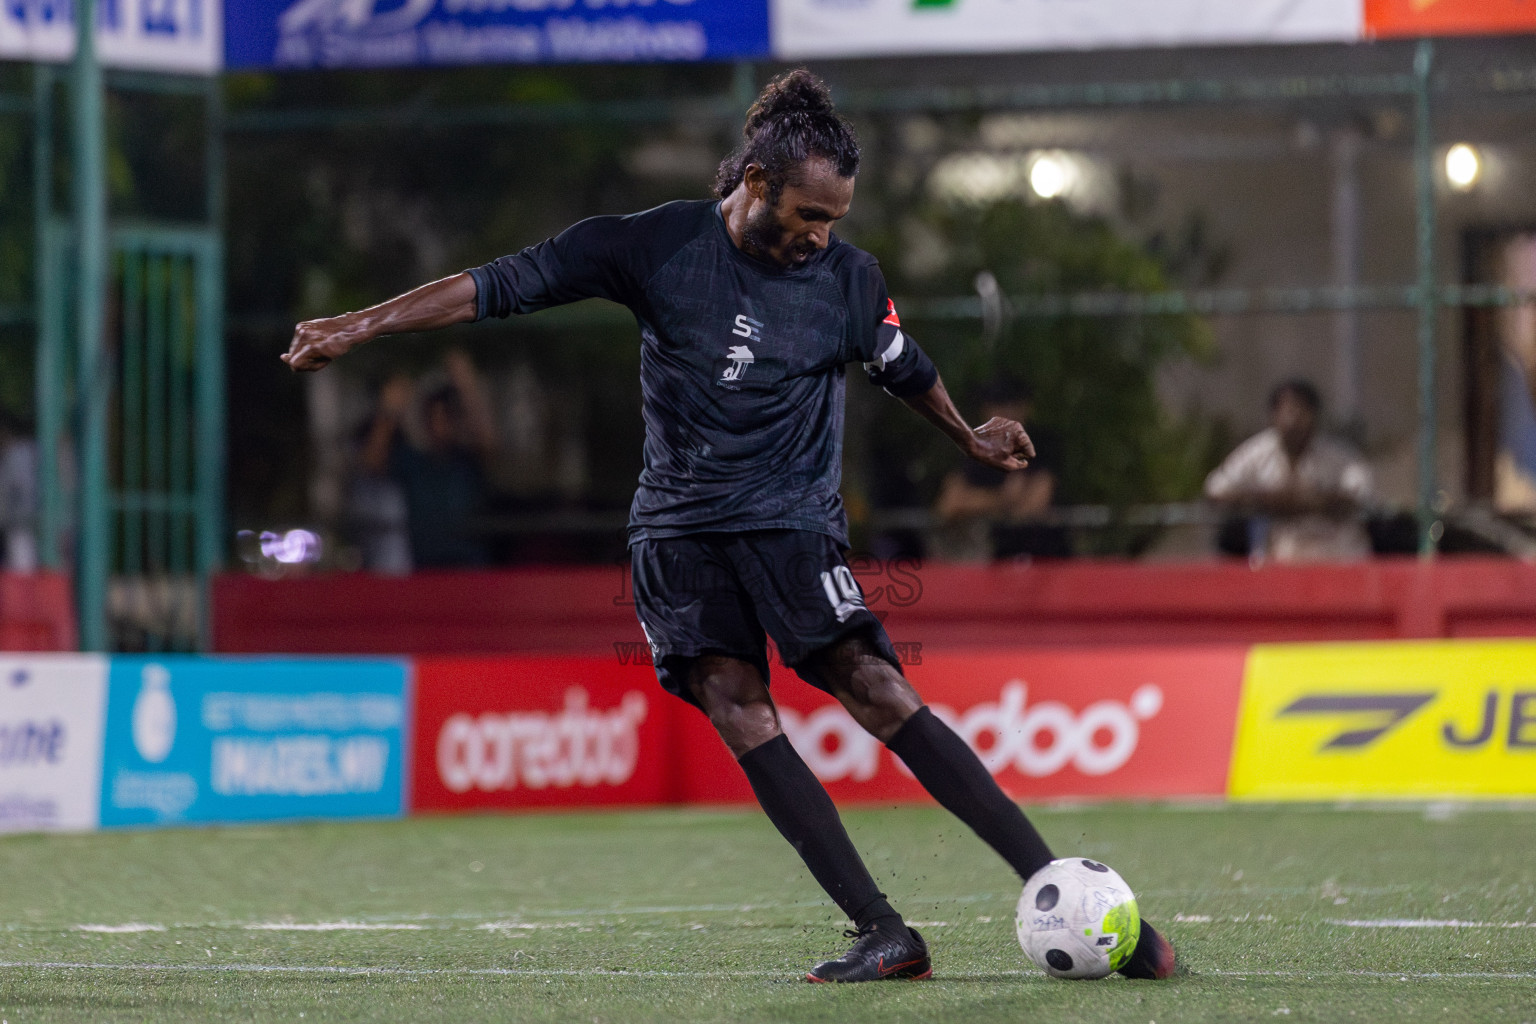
1398	707
1390	708
1416	720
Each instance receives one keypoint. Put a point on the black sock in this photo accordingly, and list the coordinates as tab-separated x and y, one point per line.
799	807
952	773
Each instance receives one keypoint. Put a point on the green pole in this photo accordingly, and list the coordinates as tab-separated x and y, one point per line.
743	85
48	381
1424	171
90	194
210	369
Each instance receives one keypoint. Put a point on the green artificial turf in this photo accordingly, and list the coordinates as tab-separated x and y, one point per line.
698	915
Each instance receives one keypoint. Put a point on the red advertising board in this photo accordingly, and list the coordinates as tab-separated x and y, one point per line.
1048	723
539	732
1385	18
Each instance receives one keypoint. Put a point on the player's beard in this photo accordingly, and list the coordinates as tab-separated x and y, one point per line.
763	234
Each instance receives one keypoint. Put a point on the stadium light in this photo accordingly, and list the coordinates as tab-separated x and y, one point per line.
1463	166
1049	175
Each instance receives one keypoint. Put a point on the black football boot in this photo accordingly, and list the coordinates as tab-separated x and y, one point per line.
877	956
1152	959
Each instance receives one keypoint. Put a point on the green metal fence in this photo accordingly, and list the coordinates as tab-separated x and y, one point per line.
143	432
130	382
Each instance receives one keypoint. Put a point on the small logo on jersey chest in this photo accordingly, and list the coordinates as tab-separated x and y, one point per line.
740	358
748	328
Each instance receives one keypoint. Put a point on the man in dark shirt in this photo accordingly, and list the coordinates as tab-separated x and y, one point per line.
444	484
1008	505
749	308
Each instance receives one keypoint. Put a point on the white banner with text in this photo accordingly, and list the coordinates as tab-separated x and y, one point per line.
52	715
857	28
185	36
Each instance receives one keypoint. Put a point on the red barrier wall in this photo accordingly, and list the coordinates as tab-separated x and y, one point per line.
571	610
36	612
1048	724
503	733
588	610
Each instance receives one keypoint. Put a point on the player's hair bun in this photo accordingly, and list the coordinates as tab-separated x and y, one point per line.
793	119
798	91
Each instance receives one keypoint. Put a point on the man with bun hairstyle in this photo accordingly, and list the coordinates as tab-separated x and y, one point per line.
749	309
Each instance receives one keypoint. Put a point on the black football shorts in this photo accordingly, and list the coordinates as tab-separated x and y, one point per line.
721	593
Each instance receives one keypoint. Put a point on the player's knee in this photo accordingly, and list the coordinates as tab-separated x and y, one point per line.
887	701
877	696
745	727
736	700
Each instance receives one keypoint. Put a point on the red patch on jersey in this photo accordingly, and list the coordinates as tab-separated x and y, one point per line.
890	314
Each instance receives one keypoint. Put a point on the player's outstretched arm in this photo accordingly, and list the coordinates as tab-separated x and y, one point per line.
432	306
999	443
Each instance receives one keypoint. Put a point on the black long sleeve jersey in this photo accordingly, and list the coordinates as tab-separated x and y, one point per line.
741	363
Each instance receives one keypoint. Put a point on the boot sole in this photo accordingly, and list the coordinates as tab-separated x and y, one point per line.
889	977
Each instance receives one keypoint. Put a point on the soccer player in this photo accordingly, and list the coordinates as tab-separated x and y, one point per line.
749	309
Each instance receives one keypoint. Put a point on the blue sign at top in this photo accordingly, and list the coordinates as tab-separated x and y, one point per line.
395	33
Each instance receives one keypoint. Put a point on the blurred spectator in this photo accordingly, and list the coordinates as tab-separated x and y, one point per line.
1007	506
444	484
376	504
1304	495
18	494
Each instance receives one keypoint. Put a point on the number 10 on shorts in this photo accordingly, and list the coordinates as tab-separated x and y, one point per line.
842	591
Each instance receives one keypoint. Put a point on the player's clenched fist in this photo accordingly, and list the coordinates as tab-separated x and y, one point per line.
1002	444
316	342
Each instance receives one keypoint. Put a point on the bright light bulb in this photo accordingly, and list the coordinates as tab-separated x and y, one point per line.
1463	166
1048	176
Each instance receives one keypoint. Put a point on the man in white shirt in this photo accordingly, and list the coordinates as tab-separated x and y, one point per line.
1306	493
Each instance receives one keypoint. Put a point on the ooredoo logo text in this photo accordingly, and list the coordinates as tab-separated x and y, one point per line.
1037	739
579	745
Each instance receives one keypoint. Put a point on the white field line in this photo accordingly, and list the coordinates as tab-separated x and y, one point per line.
530	920
505	926
1429	923
1385	922
330	926
1398	975
388	972
514	972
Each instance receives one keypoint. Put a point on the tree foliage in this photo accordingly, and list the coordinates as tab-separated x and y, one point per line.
1093	377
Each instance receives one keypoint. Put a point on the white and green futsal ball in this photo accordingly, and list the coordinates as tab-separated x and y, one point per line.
1077	919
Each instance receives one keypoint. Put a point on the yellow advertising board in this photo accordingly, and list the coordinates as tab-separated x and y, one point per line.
1384	720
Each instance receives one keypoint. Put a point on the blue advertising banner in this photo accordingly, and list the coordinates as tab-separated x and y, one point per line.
383	33
229	739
